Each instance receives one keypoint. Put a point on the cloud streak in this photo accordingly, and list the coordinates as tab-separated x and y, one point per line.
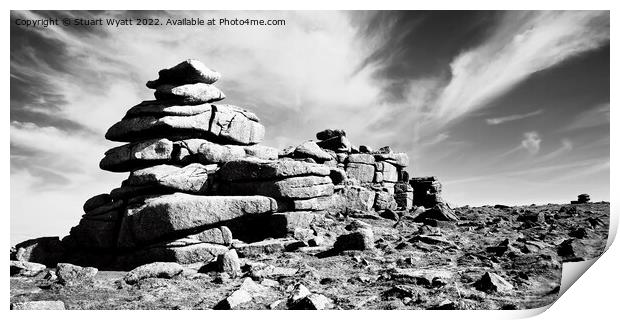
514	117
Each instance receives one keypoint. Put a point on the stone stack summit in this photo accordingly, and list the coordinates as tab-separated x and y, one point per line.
200	184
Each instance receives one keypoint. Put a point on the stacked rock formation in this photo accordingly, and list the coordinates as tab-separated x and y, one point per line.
167	210
200	184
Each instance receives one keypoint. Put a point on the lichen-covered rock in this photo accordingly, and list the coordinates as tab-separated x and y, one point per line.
219	235
358	198
491	282
384	201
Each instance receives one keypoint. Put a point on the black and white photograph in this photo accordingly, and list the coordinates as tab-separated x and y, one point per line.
306	160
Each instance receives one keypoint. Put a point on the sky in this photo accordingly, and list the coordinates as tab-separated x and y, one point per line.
507	107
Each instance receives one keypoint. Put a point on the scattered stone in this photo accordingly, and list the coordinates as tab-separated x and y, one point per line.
491	282
313	301
164	270
38	305
361	239
69	274
229	263
26	269
246	292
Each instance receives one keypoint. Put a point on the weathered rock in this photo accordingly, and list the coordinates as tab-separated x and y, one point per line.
69	274
46	250
425	277
264	247
158	109
365	149
283	223
313	301
106	212
182	251
440	212
361	172
361	158
314	204
358	198
384	201
38	305
229	263
255	169
330	133
96	202
165	270
361	239
220	235
310	149
26	269
196	93
398	159
491	282
337	175
193	178
292	188
245	294
170	214
390	214
572	250
337	144
188	71
390	174
93	232
225	124
137	155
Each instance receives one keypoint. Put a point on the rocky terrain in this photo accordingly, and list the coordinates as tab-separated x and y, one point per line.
493	258
209	218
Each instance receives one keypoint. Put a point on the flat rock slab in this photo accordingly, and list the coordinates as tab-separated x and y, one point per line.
254	169
196	93
290	188
223	124
188	71
187	252
182	213
193	178
137	155
153	270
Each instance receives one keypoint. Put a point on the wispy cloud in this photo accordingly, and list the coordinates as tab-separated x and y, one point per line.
524	43
514	117
592	117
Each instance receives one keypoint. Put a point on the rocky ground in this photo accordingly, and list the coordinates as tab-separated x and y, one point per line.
492	258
